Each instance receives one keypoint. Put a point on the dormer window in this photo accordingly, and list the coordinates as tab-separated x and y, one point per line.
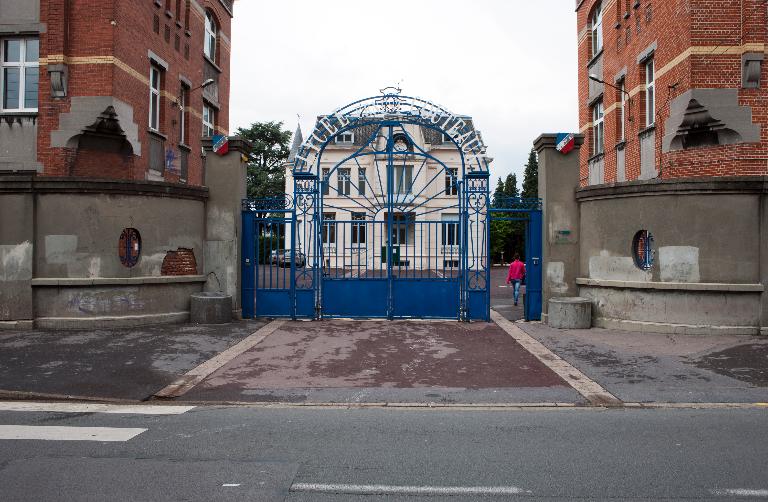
211	32
597	30
345	138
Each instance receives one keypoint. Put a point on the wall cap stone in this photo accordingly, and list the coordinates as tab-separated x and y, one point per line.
680	186
549	140
236	143
676	286
28	182
672	328
115	281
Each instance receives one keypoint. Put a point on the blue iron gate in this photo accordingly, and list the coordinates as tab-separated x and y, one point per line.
389	218
527	211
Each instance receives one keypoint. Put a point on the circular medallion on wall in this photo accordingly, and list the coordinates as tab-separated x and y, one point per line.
642	249
129	247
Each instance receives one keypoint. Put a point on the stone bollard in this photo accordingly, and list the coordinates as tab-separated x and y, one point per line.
210	308
570	313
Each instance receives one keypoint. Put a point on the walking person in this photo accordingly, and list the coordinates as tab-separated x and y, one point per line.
516	275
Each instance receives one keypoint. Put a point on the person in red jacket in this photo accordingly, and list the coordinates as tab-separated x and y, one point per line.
516	275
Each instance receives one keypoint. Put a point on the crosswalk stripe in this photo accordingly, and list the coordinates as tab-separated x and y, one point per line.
94	408
62	433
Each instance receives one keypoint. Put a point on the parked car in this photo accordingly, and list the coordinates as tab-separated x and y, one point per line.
282	258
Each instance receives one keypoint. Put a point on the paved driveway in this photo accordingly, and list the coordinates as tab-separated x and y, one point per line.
403	361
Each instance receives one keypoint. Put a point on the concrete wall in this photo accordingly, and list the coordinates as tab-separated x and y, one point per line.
558	179
18	143
16	256
710	255
698	237
764	265
59	261
20	16
113	304
86	245
225	177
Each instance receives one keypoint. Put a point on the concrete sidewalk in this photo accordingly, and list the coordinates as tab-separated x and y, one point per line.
111	364
647	367
442	362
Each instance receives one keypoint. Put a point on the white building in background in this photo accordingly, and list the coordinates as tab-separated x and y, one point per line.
425	229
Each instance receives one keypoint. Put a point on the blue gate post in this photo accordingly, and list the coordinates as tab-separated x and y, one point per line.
533	265
248	263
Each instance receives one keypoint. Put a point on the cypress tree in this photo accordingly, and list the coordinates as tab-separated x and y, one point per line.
531	177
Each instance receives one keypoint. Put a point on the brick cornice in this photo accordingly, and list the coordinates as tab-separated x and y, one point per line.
31	183
679	186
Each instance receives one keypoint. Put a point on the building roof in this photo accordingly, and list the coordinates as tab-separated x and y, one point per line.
298	139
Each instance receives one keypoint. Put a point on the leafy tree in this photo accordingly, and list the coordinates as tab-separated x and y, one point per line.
510	186
531	177
271	146
499	193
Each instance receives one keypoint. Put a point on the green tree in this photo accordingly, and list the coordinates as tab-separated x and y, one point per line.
499	193
510	186
266	171
531	177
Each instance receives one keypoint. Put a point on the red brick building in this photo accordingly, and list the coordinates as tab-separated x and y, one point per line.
113	88
685	90
109	212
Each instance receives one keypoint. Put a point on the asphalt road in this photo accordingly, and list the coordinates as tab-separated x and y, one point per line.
294	454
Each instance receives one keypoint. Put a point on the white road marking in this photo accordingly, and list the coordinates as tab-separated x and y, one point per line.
739	492
585	386
61	433
193	377
231	484
94	408
405	490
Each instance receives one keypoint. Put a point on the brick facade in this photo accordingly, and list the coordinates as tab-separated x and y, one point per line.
106	48
699	50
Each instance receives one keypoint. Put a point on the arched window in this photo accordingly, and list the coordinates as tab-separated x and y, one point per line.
211	30
597	30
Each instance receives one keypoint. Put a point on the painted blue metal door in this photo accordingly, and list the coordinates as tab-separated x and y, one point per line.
388	218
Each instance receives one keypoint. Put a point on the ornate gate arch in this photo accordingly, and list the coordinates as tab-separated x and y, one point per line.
388	218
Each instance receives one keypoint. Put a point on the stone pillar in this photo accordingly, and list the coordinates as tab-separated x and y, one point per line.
225	177
558	181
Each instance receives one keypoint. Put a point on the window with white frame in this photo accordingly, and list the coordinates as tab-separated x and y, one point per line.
20	74
403	228
450	181
403	179
361	180
211	29
650	93
450	229
209	120
358	228
598	129
597	30
326	183
329	228
345	185
622	110
346	138
183	113
155	82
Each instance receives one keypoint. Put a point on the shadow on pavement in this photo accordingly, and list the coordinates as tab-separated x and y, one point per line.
120	364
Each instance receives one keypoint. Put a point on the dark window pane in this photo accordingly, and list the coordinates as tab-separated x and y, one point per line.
30	87
12	51
11	88
33	50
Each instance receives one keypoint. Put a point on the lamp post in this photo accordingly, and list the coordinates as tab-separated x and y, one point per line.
597	79
179	99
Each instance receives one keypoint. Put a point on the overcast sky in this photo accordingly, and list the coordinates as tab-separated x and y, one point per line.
510	64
